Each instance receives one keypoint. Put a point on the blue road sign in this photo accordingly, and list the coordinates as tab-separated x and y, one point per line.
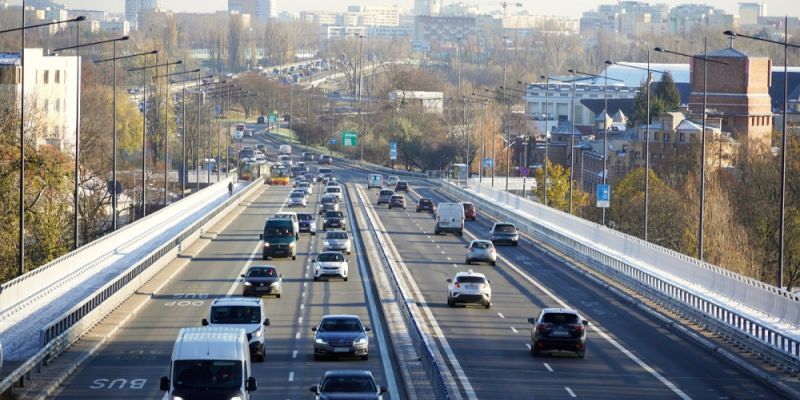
333	141
393	150
488	162
603	196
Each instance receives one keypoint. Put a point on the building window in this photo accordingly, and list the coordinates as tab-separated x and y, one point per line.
46	105
655	136
58	76
46	77
682	137
58	105
666	138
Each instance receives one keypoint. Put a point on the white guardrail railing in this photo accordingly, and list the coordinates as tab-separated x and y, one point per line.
62	331
743	308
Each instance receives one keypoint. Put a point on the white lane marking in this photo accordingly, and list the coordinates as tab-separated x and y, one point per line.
428	236
291	378
571	393
302	306
546	365
294	354
528	345
594	327
373	307
437	246
449	259
442	251
305	284
500	315
297	335
514	330
455	266
300	320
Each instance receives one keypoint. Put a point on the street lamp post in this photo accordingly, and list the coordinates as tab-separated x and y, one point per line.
782	213
705	60
114	185
78	45
21	216
144	124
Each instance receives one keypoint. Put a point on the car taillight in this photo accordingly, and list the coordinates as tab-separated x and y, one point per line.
543	326
578	328
457	285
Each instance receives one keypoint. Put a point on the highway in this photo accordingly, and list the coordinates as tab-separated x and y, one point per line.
630	354
130	365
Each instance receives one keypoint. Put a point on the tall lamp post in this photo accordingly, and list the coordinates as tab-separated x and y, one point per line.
114	184
21	216
185	130
705	60
144	125
77	48
648	82
782	212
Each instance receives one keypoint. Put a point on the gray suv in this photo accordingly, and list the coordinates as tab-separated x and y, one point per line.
341	335
504	232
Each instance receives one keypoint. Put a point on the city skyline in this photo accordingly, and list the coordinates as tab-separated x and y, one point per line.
774	8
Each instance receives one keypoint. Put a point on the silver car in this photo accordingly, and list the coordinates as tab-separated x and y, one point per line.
337	241
298	199
469	288
306	186
481	251
504	232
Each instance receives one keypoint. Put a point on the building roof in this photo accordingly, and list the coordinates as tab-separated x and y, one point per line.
728	52
596	106
9	59
690	126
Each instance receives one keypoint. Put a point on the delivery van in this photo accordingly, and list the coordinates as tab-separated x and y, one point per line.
450	218
212	362
375	181
285	149
280	238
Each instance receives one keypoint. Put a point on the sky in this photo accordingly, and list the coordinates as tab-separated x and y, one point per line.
570	8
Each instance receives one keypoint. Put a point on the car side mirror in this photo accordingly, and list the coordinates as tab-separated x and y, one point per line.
532	320
367	329
449	280
164	384
252	385
242	275
204	322
313	388
585	323
383	389
266	322
280	275
260	236
313	329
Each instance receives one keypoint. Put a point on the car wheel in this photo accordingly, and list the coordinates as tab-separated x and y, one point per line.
450	302
468	262
365	357
345	279
582	353
264	257
317	357
535	350
487	305
278	296
436	232
515	244
493	263
294	257
316	279
313	233
390	207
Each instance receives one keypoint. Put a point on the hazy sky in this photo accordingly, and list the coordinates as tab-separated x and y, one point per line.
572	8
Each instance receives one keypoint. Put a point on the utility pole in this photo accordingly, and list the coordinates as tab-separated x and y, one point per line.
508	116
359	76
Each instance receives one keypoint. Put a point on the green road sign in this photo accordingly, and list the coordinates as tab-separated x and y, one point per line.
273	118
348	138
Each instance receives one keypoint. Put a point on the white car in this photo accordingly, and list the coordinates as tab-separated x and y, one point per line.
337	241
298	199
306	186
330	264
391	181
469	288
335	191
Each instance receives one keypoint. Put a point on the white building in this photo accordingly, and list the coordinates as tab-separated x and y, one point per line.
372	16
431	102
51	85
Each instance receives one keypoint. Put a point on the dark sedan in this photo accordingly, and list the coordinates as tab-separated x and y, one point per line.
334	219
401	186
425	204
348	384
262	280
341	335
397	201
308	223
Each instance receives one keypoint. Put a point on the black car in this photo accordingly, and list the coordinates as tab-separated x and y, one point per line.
308	156
310	176
341	335
334	219
558	329
261	120
350	384
308	223
261	280
426	204
260	147
401	185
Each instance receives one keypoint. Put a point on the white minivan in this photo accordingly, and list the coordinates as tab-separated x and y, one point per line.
375	181
285	149
210	362
450	218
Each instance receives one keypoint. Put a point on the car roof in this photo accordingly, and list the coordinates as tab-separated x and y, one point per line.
469	273
237	301
341	316
336	233
559	310
481	241
348	372
262	267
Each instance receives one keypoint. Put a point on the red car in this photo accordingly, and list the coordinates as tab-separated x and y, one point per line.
470	212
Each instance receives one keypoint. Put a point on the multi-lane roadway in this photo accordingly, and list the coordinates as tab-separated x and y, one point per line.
630	354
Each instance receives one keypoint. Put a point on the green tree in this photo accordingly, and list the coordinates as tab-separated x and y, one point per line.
667	92
558	188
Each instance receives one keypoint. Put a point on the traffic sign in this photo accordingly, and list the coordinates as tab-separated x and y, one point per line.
393	150
524	171
603	196
348	138
333	141
488	162
273	118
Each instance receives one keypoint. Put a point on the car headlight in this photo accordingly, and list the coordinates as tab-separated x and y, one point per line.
246	283
236	398
256	333
326	243
177	398
320	341
266	244
292	244
361	340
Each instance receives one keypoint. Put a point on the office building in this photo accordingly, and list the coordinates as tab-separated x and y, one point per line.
134	8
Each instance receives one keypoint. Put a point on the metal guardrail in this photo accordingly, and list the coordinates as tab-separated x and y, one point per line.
752	332
65	330
422	341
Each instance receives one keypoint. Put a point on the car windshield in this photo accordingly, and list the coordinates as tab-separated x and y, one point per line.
261	272
340	325
278	232
330	257
481	245
386	192
471	279
305	217
333	189
298	195
334	214
425	202
303	184
505	228
468	207
235	315
207	374
286	216
336	235
560	318
348	384
328	200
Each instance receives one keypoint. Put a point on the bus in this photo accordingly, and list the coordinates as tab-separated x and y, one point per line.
249	171
279	174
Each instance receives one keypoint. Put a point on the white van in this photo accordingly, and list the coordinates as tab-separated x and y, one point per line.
285	149
450	218
375	181
285	159
210	362
247	313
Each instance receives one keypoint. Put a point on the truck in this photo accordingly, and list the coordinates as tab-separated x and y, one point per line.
285	149
210	362
449	219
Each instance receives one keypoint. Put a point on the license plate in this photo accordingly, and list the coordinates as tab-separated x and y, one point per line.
341	350
559	333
